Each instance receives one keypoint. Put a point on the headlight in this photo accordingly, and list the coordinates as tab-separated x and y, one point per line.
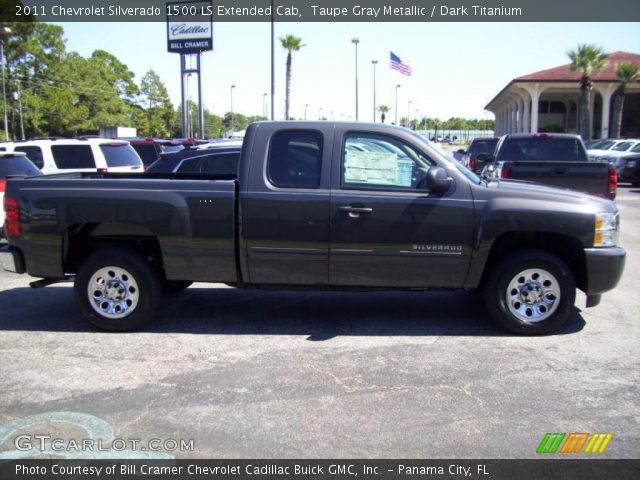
606	229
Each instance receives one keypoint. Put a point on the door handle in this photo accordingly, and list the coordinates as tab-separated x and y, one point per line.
355	212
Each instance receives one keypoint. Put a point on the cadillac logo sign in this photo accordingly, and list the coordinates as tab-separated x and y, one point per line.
189	26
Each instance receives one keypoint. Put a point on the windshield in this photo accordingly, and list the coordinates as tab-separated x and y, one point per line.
449	158
623	146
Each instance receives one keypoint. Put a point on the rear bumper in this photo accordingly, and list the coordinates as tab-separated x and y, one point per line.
604	268
11	260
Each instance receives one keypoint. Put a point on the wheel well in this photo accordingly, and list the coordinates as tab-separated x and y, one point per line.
568	249
82	240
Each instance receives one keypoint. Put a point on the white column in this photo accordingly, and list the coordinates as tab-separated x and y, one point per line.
526	115
535	90
607	92
519	114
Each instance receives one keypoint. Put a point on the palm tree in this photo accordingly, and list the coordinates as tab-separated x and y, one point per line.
588	60
291	44
383	109
626	72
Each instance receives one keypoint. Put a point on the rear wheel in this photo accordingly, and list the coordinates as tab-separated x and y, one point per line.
530	293
117	290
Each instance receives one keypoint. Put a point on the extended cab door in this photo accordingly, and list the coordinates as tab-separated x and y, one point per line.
285	208
387	229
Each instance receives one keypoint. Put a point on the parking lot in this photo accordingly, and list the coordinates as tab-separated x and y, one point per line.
262	374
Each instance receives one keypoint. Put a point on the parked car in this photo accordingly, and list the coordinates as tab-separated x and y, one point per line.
619	149
65	155
629	169
476	147
308	212
602	148
558	159
220	160
617	159
13	164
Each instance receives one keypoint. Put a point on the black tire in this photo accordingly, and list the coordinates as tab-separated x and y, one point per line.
524	304
175	286
125	275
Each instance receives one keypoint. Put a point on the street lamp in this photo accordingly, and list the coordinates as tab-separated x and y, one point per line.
356	41
306	105
5	31
409	112
232	87
320	113
264	105
374	63
396	109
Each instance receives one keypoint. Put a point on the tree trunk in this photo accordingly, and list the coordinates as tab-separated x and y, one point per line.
382	117
616	120
585	128
288	90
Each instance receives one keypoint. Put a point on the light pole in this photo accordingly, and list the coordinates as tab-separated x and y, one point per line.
264	105
356	41
320	113
415	115
306	105
374	63
232	87
5	31
396	109
409	112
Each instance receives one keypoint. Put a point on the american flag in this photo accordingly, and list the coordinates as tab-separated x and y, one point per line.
397	64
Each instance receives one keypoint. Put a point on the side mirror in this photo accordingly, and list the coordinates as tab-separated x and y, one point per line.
460	151
438	181
484	157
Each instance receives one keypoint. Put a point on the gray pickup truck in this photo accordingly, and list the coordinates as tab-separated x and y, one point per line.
316	205
559	160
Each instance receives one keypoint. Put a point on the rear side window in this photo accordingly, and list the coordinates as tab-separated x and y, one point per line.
73	156
224	164
19	165
483	146
295	159
541	149
34	154
148	152
120	155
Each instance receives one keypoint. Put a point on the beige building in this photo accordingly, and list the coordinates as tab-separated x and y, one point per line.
548	101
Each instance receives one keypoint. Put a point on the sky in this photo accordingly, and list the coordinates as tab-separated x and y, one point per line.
457	67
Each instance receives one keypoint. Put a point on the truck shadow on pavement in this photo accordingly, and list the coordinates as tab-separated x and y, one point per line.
317	315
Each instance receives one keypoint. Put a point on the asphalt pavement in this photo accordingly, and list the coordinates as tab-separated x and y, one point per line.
263	374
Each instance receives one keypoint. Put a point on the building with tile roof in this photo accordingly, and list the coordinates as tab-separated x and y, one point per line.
548	101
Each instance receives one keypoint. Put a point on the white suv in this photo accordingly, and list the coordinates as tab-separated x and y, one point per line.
65	155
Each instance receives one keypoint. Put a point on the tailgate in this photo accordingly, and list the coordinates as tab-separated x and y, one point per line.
587	177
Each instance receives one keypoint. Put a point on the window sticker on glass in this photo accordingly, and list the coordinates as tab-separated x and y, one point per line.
377	168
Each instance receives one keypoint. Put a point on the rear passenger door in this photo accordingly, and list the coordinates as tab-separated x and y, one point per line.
286	210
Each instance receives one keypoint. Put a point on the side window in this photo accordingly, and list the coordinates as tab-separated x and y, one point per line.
73	156
295	159
224	164
377	162
190	165
34	154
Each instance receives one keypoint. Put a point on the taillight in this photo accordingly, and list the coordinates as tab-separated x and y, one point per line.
472	163
506	172
12	221
3	184
103	170
613	182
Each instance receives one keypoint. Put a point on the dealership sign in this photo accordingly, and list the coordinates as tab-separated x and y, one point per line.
189	26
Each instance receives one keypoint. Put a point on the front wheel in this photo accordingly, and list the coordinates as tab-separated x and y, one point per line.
117	290
530	293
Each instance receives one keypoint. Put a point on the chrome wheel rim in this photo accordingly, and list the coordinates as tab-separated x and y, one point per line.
533	295
113	292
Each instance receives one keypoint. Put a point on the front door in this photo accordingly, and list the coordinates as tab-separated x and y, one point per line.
387	229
